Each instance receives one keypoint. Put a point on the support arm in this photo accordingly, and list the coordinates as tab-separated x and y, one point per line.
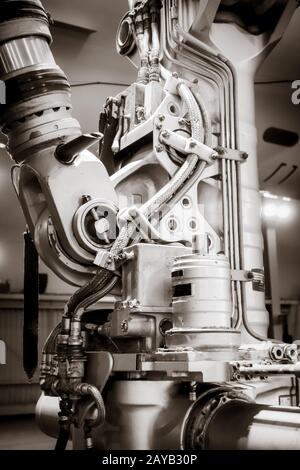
42	134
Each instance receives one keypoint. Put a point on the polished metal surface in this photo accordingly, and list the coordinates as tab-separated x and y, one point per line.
170	224
18	54
194	276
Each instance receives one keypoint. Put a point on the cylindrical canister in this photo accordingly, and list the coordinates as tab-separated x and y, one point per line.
201	291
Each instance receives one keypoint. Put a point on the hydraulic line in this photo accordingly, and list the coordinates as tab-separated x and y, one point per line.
31	306
49	346
213	66
228	233
154	7
224	175
85	296
63	438
95	297
64	421
218	60
138	23
92	391
66	413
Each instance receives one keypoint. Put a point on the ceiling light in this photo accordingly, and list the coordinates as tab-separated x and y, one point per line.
269	195
283	211
269	210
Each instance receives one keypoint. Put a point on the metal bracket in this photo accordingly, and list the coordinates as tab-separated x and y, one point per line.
241	275
106	260
188	146
256	276
231	154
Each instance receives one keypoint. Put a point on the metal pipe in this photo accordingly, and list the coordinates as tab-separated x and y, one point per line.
225	208
79	299
219	60
230	225
179	181
155	50
227	131
225	418
261	369
92	391
236	240
239	425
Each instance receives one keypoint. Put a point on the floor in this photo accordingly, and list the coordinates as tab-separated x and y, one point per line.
22	433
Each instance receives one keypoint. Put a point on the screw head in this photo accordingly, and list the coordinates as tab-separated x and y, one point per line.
245	155
124	326
220	150
175	74
161	117
85	198
133	212
192	144
165	134
159	148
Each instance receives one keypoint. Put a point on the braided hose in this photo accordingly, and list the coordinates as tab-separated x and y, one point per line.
86	295
92	391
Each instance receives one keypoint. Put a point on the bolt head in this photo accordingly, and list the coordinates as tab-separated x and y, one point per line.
159	148
175	74
101	226
133	213
161	117
124	326
220	150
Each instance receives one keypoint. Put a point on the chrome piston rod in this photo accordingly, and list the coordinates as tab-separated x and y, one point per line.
226	419
241	426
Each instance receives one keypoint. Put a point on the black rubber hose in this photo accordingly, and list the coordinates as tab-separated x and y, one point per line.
31	306
63	438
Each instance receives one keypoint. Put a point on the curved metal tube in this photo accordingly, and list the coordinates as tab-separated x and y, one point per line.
165	194
92	391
